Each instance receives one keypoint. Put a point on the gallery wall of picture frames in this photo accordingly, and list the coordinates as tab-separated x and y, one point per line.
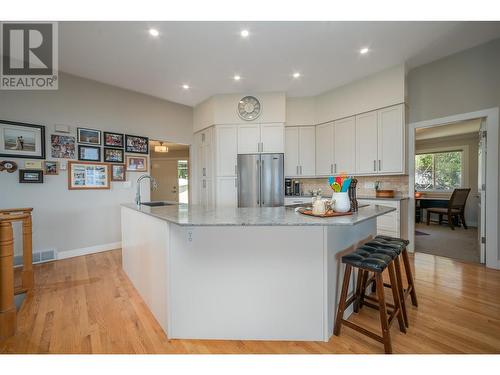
94	157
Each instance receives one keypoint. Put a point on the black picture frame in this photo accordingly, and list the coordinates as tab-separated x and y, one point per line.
114	145
109	160
23	179
79	136
133	149
81	149
41	155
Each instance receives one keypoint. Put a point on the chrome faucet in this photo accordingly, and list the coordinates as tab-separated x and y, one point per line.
138	193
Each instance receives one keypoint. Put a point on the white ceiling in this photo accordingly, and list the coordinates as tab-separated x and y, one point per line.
206	55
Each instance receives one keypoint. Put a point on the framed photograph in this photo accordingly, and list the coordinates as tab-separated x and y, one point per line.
51	168
136	145
113	155
113	140
62	146
87	175
88	136
136	163
89	153
118	172
22	140
30	176
33	164
8	165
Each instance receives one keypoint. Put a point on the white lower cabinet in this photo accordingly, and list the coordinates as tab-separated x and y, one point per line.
395	223
226	192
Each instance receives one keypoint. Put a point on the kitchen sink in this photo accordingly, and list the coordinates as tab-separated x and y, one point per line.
156	204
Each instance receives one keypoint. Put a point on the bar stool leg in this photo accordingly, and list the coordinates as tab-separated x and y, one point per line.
383	313
396	296
409	277
7	306
364	280
399	279
343	298
359	285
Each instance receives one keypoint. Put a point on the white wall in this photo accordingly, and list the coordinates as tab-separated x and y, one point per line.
222	109
300	111
67	220
379	90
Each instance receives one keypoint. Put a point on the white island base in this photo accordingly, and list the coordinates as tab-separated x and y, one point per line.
271	282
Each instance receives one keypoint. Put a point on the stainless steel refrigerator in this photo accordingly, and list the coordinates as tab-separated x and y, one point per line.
261	180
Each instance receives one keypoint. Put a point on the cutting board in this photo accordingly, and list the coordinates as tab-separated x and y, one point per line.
330	213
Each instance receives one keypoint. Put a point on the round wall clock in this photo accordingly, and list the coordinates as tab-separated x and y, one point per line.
249	108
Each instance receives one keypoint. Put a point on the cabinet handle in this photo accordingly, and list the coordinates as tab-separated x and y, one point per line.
335	168
204	172
297	170
379	165
374	165
301	170
331	168
261	146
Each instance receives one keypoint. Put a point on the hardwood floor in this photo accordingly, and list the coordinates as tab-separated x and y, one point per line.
88	305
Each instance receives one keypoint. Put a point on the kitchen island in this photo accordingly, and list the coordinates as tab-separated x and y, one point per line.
240	273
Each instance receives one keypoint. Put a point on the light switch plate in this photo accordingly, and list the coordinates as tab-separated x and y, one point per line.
369	185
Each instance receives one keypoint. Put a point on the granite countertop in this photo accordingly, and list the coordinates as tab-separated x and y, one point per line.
359	197
194	215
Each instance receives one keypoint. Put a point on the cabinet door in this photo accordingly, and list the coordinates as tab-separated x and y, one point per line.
391	140
366	143
345	145
307	154
291	151
324	149
226	192
226	141
271	137
248	138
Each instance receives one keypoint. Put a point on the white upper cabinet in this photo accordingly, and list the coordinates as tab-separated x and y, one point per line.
255	138
300	144
248	138
291	151
307	155
324	149
272	138
366	143
226	146
391	140
344	146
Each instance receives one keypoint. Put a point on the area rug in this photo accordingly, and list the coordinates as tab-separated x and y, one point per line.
419	233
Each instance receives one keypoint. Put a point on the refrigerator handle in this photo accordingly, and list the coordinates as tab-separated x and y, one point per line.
260	178
258	183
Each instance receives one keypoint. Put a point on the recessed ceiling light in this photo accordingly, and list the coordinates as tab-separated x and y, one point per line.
245	33
154	32
185	87
296	75
236	77
364	50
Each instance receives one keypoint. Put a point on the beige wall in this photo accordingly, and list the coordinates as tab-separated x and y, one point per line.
472	142
300	111
67	220
464	82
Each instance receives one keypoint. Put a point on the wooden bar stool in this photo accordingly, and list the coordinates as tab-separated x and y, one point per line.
371	260
394	241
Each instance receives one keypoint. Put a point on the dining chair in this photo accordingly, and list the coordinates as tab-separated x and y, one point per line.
456	208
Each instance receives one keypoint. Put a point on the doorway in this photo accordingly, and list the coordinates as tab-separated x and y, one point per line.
169	167
486	177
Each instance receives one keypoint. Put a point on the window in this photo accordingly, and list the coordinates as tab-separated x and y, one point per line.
439	171
182	174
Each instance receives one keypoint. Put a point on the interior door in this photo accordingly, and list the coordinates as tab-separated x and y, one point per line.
481	180
166	175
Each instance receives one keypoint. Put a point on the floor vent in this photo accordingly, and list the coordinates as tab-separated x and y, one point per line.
38	257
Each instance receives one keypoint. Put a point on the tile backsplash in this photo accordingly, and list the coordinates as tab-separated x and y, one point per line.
365	187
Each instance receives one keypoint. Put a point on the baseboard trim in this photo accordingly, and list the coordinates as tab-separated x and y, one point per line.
88	250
